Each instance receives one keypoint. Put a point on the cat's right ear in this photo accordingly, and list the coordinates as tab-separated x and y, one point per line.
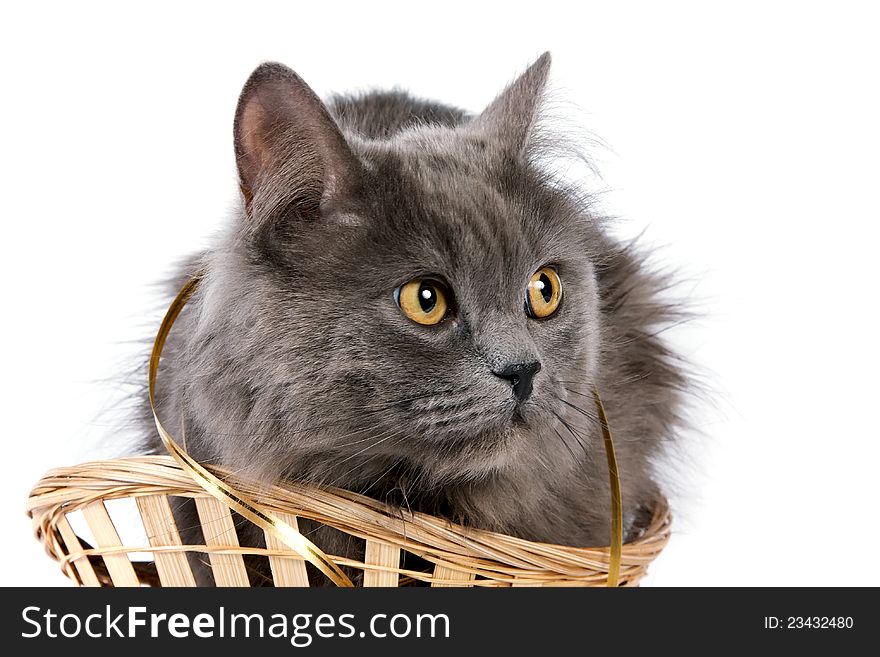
510	118
289	150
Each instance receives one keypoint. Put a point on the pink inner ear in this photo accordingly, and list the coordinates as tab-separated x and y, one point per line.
254	155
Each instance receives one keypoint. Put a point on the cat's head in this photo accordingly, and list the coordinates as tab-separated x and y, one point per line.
423	300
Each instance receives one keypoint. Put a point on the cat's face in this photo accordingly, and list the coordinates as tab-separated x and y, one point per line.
435	314
435	381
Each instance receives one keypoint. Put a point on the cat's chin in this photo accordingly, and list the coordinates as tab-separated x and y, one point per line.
496	433
479	457
495	447
519	420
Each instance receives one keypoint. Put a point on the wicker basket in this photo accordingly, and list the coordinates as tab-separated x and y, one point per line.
457	556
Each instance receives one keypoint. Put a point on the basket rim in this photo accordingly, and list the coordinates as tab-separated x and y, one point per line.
53	480
66	489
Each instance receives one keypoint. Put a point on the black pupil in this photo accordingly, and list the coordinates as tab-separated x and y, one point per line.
427	298
547	290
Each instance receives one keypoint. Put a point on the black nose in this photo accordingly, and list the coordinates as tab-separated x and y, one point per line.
520	376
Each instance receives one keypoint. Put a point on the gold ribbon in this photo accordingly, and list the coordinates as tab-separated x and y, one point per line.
269	522
218	488
616	500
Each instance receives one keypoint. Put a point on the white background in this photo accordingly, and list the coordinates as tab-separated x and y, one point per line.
744	139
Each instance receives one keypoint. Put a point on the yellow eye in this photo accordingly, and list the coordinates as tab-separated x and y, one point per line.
543	293
423	301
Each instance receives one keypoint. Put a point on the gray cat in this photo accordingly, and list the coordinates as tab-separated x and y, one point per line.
407	306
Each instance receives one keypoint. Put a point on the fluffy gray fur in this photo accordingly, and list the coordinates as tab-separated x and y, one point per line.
293	361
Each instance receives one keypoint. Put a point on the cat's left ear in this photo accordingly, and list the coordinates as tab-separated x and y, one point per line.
289	150
510	118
